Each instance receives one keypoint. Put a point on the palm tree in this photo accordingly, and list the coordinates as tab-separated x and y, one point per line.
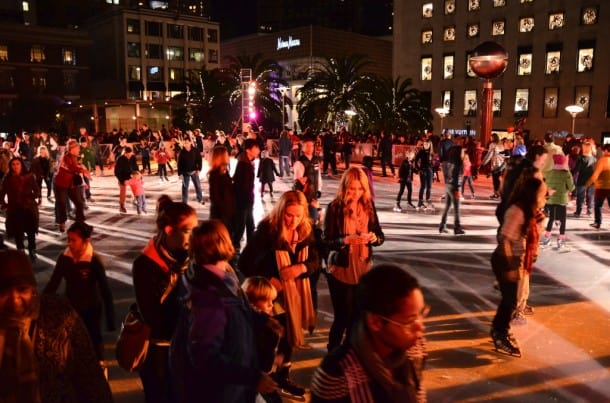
337	85
268	75
400	107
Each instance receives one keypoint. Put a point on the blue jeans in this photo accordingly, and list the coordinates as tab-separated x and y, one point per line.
141	203
451	199
185	186
284	165
425	183
584	193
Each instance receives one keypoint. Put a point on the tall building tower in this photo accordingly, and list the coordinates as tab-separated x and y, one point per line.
18	11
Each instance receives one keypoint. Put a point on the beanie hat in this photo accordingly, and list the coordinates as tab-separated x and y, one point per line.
16	270
560	162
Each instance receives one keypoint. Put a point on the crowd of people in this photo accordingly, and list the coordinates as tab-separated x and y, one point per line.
233	312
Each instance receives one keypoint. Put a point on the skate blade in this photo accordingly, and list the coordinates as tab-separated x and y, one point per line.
508	353
290	396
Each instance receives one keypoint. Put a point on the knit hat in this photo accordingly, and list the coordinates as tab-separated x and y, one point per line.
560	162
16	270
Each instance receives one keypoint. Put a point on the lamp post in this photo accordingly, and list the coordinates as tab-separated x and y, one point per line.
442	112
574	110
488	61
283	92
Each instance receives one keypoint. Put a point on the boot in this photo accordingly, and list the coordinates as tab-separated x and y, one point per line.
283	380
32	254
122	209
505	343
397	208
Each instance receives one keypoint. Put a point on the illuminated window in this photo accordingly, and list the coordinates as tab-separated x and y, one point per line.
25	6
473	30
426	37
522	98
449	34
470	103
213	35
553	61
586	51
582	97
497	102
155	73
133	49
154	51
69	56
447	100
473	5
499	3
526	1
556	21
427	10
176	75
195	34
196	55
39	81
175	53
526	24
37	54
175	31
551	97
469	72
589	15
153	28
426	68
213	56
133	26
3	53
448	65
134	73
497	28
449	7
525	65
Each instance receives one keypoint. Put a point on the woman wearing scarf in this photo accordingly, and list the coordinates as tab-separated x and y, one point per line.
86	284
213	352
351	229
282	250
159	267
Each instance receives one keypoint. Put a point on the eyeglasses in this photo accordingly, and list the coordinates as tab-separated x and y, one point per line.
407	326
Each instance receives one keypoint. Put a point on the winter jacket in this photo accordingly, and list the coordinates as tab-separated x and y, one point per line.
222	198
266	171
21	192
561	181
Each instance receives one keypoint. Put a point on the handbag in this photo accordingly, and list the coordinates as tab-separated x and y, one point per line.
134	336
339	257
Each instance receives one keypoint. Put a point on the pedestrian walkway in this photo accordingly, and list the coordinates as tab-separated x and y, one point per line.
565	343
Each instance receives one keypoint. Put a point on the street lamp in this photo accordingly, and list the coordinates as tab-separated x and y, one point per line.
283	92
488	61
574	110
442	112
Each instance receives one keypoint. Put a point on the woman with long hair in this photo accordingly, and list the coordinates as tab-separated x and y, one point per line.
495	155
515	254
213	352
21	191
282	249
155	275
454	169
351	229
222	197
42	168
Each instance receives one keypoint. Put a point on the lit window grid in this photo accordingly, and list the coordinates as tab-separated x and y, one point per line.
526	24
426	68
449	34
522	100
556	21
585	60
427	10
524	64
470	103
448	67
553	62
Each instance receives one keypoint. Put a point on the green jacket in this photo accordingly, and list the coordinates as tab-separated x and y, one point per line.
563	183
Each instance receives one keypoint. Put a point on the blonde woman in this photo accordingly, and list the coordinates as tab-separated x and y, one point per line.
282	250
351	229
222	198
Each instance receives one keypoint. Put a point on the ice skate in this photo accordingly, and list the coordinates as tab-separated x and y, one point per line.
505	344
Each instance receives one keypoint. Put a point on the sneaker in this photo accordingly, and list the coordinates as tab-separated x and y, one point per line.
458	231
546	241
397	208
562	246
122	210
518	319
528	310
595	225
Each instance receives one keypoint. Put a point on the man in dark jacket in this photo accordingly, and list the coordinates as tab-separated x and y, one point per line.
385	152
189	166
123	168
243	186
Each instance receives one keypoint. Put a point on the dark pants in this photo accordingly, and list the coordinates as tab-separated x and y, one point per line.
146	164
495	178
270	187
19	240
48	182
332	160
92	320
401	190
600	196
87	187
347	158
155	375
162	170
467	180
425	180
387	162
75	194
556	213
186	177
243	220
342	298
584	195
508	303
451	199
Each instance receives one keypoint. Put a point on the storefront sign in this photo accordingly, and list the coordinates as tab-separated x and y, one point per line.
290	43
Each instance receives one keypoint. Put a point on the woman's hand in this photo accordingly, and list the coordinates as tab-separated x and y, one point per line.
293	271
372	237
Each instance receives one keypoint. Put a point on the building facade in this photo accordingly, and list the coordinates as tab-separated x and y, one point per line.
300	50
556	57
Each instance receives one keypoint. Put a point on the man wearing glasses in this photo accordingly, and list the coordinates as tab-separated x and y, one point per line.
383	358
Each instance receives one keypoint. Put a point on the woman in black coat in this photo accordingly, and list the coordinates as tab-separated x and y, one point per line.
266	171
222	197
